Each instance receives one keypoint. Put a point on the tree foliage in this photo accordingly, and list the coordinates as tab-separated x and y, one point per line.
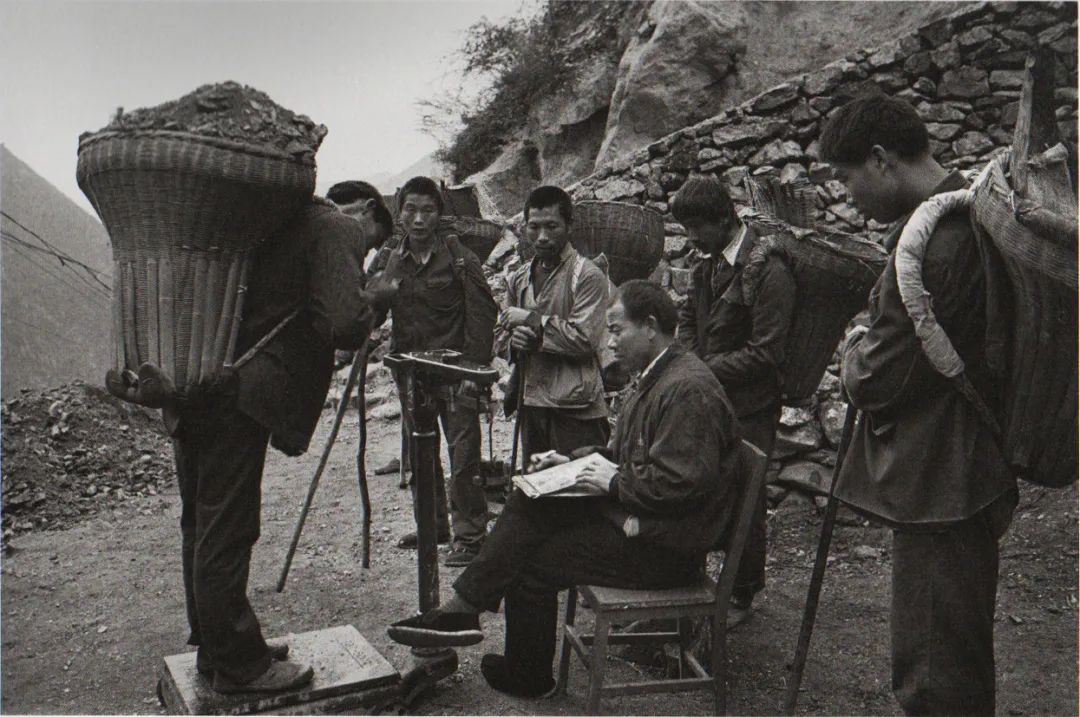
521	60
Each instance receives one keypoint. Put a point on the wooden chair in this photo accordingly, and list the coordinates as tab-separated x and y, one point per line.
707	599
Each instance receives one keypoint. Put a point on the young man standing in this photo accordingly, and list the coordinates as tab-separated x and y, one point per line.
443	302
664	499
921	460
556	319
742	343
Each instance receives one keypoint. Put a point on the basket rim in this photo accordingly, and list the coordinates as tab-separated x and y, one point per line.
257	150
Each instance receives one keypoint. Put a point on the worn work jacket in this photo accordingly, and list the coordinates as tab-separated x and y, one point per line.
565	372
444	303
742	343
676	446
315	263
920	455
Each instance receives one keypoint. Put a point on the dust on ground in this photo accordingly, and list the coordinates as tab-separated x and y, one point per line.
89	610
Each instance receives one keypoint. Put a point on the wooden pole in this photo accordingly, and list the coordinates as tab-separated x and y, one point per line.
802	648
358	363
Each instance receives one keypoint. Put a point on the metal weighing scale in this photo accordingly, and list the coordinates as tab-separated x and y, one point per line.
350	675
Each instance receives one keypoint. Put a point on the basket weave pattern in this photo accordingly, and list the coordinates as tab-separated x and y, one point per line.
183	213
1041	394
629	235
833	275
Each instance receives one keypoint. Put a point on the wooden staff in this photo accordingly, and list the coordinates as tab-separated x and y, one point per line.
818	575
359	364
361	459
523	363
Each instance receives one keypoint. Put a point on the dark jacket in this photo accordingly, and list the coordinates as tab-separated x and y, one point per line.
742	343
920	454
444	304
676	446
314	263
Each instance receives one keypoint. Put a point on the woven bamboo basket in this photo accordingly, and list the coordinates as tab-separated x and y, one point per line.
834	273
478	235
183	213
1040	426
629	236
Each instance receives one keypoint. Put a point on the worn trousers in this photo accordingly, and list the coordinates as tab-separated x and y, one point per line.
468	505
541	546
944	587
219	464
760	429
549	429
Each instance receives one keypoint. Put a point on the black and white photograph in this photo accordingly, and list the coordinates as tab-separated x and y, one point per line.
539	357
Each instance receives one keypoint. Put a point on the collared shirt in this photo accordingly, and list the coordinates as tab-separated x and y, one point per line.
429	308
654	361
731	251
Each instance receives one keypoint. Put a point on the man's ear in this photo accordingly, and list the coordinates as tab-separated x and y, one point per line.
880	158
653	325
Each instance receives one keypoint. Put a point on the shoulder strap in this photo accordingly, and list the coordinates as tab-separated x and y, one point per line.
575	277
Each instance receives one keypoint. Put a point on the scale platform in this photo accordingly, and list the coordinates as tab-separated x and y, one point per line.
350	676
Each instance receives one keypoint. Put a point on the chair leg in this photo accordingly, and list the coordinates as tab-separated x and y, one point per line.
564	655
719	663
598	662
684	625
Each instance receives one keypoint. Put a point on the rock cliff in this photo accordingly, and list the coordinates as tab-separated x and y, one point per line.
654	67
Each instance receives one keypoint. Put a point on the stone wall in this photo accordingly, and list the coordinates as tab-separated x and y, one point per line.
963	74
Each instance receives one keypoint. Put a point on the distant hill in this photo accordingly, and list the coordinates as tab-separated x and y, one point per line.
388	182
54	321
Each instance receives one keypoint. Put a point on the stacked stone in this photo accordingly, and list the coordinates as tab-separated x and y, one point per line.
964	75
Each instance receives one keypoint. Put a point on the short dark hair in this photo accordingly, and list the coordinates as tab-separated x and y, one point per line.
424	186
702	197
852	131
355	190
549	196
642	299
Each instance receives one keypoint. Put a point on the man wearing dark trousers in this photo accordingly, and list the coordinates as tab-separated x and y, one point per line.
742	343
664	499
443	301
921	460
556	319
221	431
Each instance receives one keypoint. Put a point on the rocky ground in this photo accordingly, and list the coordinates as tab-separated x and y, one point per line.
90	606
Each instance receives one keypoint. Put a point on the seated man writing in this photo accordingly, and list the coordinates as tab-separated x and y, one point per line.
666	498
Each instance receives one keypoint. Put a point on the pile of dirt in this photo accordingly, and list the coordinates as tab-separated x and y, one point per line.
231	111
71	450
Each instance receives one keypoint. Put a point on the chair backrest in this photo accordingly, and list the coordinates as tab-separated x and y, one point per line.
753	465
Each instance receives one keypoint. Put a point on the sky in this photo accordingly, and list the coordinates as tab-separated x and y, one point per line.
359	67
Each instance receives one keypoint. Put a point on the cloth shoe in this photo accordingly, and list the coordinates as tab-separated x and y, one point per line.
277	652
498	675
391	466
460	556
436	628
409	541
280	676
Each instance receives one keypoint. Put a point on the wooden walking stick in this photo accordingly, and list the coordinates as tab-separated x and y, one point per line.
818	574
359	364
361	455
523	363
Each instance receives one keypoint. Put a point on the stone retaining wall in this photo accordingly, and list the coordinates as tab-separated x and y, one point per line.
963	74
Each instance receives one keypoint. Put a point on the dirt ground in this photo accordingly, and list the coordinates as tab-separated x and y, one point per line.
89	611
